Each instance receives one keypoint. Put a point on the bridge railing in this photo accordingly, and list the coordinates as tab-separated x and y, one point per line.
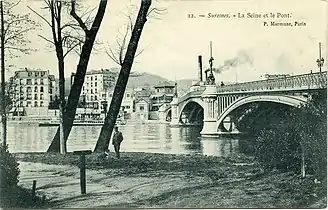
191	94
310	81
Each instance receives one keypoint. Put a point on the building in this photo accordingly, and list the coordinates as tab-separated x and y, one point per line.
127	105
141	110
94	98
33	91
142	93
164	93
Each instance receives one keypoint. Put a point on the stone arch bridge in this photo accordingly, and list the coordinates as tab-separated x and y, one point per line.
213	105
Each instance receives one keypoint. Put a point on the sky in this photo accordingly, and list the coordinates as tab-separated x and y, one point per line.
243	48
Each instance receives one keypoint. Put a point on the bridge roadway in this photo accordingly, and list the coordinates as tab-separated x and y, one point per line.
213	105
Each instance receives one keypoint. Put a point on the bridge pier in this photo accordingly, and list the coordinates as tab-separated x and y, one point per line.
174	113
209	97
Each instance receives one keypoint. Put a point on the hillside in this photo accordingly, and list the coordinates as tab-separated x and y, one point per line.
143	79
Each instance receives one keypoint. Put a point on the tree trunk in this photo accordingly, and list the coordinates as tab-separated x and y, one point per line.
73	98
3	84
63	148
107	128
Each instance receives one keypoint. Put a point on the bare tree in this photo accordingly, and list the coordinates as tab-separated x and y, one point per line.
126	65
66	37
86	46
12	39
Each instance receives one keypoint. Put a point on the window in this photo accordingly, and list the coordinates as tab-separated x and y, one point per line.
95	84
29	81
41	89
128	95
91	84
127	107
35	81
36	97
96	91
29	74
141	108
96	77
36	74
41	103
35	103
41	97
28	103
28	89
111	95
91	78
96	98
83	88
35	89
91	91
91	98
41	80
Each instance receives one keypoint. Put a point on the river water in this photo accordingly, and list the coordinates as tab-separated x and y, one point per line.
155	138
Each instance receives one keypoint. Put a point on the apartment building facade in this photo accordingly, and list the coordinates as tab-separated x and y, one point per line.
33	88
95	91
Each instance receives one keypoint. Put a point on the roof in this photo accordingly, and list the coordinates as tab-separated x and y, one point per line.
141	100
165	84
156	95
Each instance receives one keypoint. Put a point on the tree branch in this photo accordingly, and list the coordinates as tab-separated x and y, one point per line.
71	48
112	56
17	34
76	17
48	40
43	18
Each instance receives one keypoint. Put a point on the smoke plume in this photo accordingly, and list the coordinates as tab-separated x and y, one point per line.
241	58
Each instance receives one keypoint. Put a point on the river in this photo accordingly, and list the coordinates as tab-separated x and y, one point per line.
152	137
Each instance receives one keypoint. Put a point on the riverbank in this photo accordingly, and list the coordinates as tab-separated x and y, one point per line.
166	181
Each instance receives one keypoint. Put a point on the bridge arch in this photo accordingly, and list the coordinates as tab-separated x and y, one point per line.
196	101
294	101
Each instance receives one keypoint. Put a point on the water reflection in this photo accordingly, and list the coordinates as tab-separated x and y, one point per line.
219	147
158	138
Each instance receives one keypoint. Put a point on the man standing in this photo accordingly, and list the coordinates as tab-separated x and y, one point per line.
117	140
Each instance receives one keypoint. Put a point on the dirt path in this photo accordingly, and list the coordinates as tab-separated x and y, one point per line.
166	181
60	184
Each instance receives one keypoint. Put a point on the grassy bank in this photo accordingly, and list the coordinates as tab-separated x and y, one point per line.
233	182
18	197
134	163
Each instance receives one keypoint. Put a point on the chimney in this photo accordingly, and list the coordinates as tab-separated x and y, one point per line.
206	71
200	68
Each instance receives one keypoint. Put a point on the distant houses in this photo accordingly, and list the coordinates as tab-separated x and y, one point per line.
142	110
35	93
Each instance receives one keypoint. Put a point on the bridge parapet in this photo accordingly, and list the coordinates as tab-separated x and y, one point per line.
188	95
303	81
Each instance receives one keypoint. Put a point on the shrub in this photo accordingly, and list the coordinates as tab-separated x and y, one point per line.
9	170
